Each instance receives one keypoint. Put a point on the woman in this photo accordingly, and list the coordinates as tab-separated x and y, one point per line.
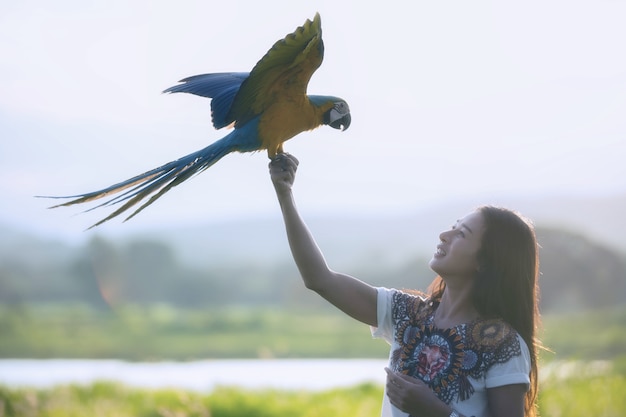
467	347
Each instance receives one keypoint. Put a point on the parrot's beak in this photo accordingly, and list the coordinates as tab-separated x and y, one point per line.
342	123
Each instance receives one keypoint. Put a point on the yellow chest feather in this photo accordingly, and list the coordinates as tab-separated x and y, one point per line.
284	120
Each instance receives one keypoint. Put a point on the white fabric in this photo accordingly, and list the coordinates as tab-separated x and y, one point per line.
514	371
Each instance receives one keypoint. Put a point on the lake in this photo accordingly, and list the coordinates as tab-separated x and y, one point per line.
204	376
201	376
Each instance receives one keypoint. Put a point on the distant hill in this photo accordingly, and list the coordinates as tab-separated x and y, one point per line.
345	240
583	259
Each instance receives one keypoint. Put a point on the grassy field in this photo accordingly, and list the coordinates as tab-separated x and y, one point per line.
109	400
163	333
600	396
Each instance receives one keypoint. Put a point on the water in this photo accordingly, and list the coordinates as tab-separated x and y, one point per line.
202	376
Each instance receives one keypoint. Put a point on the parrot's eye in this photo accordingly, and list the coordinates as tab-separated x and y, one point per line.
341	107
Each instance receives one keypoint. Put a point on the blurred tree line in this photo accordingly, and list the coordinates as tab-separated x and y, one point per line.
577	273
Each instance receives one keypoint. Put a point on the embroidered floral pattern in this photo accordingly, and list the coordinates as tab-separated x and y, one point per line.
444	358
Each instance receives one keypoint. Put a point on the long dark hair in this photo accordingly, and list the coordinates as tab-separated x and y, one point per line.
506	284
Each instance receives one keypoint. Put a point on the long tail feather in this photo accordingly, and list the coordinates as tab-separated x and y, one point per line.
151	184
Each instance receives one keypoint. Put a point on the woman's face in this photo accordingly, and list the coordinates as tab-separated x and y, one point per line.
456	254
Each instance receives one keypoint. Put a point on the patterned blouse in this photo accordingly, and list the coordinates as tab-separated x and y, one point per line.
459	363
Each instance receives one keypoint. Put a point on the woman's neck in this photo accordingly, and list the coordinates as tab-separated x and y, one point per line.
455	308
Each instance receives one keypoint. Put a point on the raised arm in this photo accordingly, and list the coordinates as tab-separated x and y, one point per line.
352	296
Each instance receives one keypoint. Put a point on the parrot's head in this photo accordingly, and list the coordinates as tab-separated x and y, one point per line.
338	115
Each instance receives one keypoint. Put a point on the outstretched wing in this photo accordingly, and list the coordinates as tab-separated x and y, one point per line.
285	71
220	87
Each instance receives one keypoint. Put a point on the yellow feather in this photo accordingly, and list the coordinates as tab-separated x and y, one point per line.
284	71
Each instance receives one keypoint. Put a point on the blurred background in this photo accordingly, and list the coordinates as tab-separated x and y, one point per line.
453	105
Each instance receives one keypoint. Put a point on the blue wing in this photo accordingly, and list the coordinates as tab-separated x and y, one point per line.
220	87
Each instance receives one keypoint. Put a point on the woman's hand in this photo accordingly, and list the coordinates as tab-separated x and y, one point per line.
283	169
413	396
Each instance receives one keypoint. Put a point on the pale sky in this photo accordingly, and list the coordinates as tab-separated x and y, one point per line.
448	99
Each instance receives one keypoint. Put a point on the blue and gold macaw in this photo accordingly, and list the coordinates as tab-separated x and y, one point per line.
267	106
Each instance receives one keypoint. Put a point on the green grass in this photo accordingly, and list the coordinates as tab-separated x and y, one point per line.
113	400
586	335
163	333
600	396
160	332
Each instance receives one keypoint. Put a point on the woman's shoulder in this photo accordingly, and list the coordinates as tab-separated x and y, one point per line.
410	304
413	297
493	336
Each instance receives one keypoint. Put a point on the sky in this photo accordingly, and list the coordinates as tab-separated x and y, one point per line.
449	100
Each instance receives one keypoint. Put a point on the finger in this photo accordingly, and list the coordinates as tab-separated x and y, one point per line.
284	156
280	156
275	167
284	160
289	166
393	383
273	163
391	375
279	166
405	377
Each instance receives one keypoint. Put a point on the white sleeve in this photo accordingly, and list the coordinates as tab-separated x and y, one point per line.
514	371
384	330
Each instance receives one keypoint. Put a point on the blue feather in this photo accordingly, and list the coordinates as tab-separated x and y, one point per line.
221	87
158	181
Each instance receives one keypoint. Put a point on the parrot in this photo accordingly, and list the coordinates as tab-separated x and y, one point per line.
264	108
